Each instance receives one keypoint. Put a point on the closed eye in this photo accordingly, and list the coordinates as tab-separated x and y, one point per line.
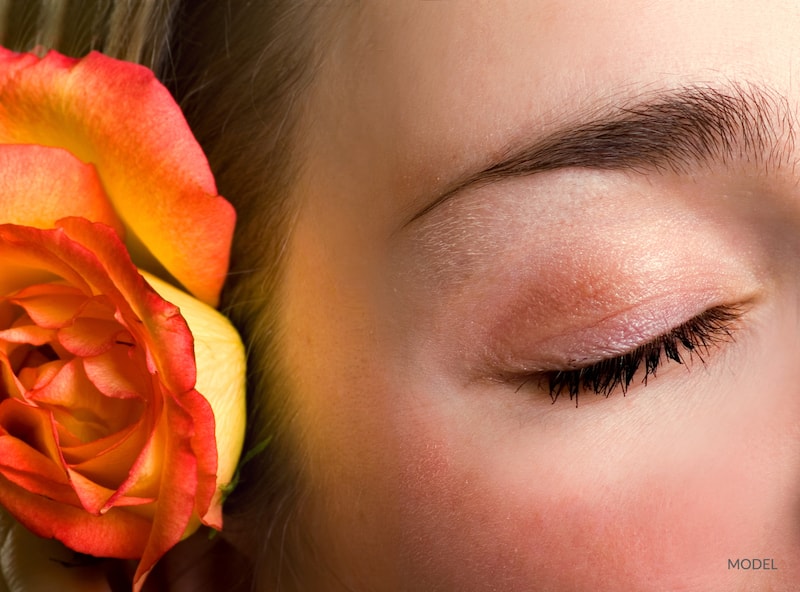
693	339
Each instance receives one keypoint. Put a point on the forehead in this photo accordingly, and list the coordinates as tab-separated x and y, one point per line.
428	88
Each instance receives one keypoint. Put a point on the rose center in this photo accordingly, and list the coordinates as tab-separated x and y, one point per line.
65	353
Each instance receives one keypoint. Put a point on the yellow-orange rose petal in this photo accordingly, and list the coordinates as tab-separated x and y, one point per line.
118	117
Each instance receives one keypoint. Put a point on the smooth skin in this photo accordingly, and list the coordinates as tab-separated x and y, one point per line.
435	464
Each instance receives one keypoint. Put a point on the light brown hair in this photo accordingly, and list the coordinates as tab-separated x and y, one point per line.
132	30
241	72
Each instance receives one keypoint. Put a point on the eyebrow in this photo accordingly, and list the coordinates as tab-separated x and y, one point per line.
673	130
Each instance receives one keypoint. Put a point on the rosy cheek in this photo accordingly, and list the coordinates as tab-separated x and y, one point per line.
478	515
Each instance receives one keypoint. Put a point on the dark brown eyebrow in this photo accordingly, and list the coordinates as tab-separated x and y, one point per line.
673	130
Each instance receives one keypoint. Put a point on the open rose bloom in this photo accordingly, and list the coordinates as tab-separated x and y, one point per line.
121	412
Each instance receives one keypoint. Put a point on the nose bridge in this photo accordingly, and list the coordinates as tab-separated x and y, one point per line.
782	450
762	493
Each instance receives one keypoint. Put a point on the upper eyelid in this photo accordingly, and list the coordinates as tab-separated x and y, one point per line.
697	335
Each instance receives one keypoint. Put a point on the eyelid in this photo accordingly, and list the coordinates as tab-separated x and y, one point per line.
696	337
621	332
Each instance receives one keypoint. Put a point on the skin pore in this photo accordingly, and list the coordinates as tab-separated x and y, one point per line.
420	337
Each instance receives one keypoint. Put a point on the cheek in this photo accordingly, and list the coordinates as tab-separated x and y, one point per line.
477	525
615	508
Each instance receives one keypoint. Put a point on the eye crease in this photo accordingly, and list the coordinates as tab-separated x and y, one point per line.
694	338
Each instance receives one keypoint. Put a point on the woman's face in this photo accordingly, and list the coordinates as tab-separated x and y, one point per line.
646	185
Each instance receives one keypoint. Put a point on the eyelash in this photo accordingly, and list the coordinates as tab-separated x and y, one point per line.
695	337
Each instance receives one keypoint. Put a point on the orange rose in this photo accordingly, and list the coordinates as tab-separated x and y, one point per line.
121	413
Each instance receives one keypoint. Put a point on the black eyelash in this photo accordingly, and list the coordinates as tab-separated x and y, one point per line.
694	337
